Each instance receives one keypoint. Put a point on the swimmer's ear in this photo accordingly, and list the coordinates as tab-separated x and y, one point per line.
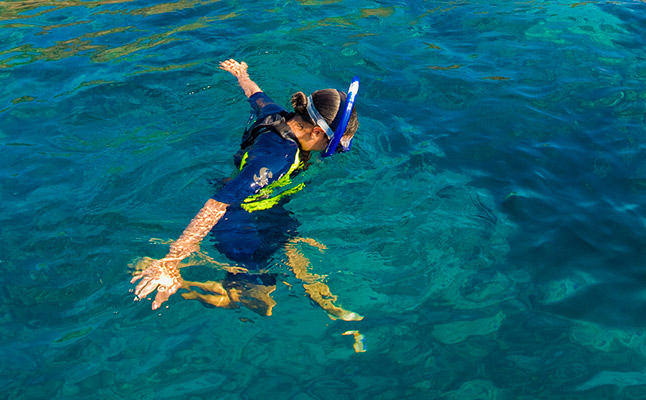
318	132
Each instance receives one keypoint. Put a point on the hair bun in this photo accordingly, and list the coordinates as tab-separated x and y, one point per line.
299	102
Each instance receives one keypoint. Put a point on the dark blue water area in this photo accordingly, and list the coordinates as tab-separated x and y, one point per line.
488	223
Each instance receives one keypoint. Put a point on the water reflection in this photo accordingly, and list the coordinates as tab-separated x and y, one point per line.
86	44
543	110
83	45
32	8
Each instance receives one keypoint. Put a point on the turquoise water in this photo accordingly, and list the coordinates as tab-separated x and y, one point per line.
488	223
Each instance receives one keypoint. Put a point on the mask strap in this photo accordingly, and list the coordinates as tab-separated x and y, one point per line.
317	118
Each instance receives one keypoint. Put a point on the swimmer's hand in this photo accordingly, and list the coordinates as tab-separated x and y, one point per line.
237	69
162	275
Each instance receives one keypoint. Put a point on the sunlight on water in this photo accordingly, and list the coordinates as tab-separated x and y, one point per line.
482	240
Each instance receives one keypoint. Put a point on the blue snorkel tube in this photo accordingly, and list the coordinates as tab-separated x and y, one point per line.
340	129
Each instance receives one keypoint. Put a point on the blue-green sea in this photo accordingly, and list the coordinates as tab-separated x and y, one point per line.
489	222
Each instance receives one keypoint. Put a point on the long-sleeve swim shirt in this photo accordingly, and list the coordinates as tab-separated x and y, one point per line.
270	153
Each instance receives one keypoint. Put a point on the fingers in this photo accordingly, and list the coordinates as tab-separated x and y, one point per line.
163	293
229	64
233	66
156	277
158	301
230	61
145	287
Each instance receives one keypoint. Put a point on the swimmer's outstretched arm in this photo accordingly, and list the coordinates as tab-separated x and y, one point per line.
239	70
163	274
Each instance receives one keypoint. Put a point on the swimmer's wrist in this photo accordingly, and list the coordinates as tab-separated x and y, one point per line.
170	269
248	86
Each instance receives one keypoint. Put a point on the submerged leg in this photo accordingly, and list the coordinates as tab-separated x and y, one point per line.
314	287
255	297
218	296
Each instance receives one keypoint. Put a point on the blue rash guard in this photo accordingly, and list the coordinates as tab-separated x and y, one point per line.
256	225
269	155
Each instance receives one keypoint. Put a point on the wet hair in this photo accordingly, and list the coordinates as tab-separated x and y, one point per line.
327	102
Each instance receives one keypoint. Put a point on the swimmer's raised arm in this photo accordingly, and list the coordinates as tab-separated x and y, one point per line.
163	274
239	70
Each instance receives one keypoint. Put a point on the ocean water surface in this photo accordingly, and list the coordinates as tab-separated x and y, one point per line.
489	222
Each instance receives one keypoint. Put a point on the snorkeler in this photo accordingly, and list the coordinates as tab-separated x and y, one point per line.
275	146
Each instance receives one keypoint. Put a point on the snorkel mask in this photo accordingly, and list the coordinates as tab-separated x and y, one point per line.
335	137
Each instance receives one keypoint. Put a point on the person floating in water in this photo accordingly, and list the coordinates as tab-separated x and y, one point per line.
246	217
